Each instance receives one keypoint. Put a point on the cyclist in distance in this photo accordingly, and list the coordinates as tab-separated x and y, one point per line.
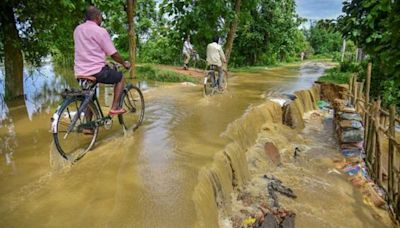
92	45
216	59
187	52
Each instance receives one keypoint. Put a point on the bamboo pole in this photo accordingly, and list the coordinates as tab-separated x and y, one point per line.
392	133
351	87
371	141
359	96
367	90
378	158
355	91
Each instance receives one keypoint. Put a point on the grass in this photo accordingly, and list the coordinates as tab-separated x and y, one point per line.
335	76
150	72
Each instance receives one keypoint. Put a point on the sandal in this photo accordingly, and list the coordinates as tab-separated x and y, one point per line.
116	112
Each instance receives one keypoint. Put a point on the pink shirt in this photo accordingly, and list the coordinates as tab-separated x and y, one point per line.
92	44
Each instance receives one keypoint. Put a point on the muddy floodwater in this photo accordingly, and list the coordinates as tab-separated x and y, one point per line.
151	178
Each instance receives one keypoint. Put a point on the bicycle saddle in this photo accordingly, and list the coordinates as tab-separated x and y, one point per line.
86	82
87	78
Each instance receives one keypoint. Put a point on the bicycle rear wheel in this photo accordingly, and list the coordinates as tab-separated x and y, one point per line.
208	85
75	144
133	102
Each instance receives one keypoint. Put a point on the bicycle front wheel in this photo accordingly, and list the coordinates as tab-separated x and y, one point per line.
73	145
133	102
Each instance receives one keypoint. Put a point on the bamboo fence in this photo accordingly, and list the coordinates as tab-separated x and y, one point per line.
381	145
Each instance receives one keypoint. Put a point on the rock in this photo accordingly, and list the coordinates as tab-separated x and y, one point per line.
348	136
270	222
288	221
350	116
272	153
352	145
348	109
259	216
350	124
338	104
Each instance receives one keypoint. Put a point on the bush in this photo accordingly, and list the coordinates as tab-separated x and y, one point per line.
334	75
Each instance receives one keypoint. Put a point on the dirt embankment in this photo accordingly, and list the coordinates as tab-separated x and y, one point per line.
191	72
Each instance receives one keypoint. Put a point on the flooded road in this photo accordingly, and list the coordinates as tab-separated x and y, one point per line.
147	179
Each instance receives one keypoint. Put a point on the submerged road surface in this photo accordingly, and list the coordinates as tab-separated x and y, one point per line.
146	179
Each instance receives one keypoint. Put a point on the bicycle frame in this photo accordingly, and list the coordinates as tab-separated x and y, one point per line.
89	96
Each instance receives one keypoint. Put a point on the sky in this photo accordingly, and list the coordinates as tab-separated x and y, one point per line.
319	9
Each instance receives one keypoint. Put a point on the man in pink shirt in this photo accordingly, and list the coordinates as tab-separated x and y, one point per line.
92	45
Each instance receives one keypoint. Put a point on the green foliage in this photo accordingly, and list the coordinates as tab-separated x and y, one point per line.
335	75
149	72
267	34
45	26
323	37
374	26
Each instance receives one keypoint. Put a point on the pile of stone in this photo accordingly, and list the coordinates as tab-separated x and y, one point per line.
349	130
350	135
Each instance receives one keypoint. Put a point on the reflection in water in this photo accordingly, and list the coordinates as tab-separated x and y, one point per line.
8	142
42	87
3	105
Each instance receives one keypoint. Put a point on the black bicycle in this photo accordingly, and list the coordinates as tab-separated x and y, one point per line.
211	81
75	124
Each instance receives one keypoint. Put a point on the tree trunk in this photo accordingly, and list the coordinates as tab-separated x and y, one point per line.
232	31
132	35
13	59
343	50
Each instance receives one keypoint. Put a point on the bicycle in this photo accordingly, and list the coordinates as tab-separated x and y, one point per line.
75	124
211	81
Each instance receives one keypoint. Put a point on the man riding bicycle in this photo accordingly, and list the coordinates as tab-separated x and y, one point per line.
216	59
92	45
187	52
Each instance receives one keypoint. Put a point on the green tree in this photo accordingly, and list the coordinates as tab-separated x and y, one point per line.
374	26
30	31
268	32
324	37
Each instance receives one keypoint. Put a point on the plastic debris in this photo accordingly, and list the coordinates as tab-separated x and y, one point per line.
249	221
352	170
323	104
351	152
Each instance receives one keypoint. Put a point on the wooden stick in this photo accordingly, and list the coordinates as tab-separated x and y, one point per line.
378	144
392	133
